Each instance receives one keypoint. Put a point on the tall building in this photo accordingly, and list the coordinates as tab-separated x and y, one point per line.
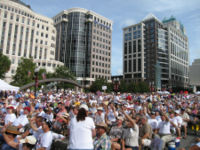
156	52
84	44
24	33
194	75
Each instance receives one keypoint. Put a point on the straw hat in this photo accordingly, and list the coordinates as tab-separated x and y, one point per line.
12	130
102	125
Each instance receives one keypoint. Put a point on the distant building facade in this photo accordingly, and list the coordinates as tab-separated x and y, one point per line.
84	44
156	52
194	75
24	33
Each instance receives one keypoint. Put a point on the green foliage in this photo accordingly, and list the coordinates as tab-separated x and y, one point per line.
132	87
97	85
22	75
63	72
5	65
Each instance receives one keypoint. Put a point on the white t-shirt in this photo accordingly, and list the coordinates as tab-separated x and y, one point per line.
10	118
37	133
174	120
21	120
81	134
179	120
153	123
164	127
45	140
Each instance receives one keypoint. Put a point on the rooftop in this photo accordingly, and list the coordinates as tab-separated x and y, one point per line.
21	3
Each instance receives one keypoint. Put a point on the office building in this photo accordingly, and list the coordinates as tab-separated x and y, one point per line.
24	33
194	75
156	52
84	44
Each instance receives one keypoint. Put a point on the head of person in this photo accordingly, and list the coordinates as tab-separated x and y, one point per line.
143	120
99	110
163	117
75	110
153	115
101	128
28	143
82	112
10	109
120	120
46	125
27	110
172	115
177	113
38	121
12	131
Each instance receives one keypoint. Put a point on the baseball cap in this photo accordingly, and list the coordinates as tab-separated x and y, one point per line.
84	106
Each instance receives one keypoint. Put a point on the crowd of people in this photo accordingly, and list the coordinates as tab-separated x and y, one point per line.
98	121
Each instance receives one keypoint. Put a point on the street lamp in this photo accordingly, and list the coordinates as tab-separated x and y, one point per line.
36	71
116	84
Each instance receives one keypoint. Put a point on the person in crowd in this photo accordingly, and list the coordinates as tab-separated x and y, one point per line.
145	132
186	119
100	116
28	143
81	130
116	134
164	130
130	136
22	120
8	138
10	116
45	139
102	141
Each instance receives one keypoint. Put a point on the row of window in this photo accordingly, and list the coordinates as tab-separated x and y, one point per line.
101	64
102	33
138	27
99	70
101	39
102	27
101	45
100	77
21	12
27	21
132	65
132	47
101	58
99	51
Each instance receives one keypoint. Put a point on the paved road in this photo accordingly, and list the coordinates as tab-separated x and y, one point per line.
186	143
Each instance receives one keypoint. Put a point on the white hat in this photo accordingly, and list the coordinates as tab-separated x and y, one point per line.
84	106
100	108
177	111
29	139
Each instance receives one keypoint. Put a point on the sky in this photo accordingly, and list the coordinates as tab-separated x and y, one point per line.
127	12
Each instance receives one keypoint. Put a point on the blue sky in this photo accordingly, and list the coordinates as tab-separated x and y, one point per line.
127	12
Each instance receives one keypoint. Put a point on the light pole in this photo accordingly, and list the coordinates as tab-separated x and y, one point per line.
116	84
36	71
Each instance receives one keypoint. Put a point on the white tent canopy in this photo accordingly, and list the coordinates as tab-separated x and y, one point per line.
7	87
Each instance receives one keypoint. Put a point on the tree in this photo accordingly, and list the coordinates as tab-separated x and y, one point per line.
5	65
24	73
97	85
62	72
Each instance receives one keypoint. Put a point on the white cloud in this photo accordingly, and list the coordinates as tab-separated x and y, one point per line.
127	22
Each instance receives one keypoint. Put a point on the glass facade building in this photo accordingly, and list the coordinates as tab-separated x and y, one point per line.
84	44
156	52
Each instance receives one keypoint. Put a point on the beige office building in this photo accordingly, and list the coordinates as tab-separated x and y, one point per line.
24	33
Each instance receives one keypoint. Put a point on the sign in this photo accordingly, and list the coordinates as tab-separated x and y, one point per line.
104	88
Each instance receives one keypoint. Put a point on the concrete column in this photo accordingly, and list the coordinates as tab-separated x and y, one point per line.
194	88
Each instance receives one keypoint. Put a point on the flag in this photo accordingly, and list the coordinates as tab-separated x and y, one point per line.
43	76
29	73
